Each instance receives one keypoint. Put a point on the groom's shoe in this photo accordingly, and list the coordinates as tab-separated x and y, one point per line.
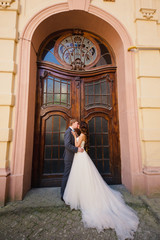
62	199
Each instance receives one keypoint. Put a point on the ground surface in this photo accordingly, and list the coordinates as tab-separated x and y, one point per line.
43	216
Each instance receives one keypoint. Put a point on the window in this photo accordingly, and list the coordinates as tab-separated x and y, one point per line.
54	145
98	93
56	91
99	143
75	50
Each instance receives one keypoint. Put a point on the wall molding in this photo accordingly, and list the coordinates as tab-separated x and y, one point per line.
7	100
6	134
6	3
147	13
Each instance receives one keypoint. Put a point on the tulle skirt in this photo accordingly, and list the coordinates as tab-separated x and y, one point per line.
101	206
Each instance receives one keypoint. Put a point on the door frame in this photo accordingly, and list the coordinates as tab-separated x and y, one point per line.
45	69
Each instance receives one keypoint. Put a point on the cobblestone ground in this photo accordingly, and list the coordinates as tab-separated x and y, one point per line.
43	216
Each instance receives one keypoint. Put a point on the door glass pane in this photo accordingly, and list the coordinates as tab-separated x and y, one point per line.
97	99
49	124
55	139
57	87
92	139
99	139
44	88
64	98
48	152
104	99
104	87
86	90
90	89
104	125
98	93
90	99
56	123
105	139
106	152
55	153
98	124
63	125
48	138
63	88
47	166
99	153
49	98
99	143
97	88
54	145
91	125
50	86
106	167
44	98
56	98
56	91
68	88
92	153
61	138
61	151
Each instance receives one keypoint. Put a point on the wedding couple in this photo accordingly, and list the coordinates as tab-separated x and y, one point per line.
83	188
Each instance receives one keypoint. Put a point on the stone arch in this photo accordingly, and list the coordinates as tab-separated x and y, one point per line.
55	18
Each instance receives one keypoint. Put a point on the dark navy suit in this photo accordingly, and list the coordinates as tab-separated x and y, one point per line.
70	150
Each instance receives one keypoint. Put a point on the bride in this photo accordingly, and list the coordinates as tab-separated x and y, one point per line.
101	206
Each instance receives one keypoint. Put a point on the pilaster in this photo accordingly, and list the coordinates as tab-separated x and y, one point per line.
9	11
147	49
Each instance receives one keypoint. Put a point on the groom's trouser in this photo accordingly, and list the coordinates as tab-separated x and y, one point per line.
67	169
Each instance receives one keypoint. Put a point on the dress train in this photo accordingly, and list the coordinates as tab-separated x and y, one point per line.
101	206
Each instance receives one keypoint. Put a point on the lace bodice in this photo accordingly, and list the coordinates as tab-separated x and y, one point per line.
82	143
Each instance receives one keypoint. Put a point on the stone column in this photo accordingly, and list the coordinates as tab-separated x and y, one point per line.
9	11
147	51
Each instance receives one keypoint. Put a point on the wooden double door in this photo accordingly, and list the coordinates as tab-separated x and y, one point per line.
89	97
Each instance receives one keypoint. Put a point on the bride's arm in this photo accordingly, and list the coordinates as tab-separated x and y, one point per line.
81	138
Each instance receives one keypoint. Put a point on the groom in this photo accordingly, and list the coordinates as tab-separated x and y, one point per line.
70	150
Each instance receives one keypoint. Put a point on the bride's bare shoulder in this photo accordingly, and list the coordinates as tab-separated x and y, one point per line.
83	136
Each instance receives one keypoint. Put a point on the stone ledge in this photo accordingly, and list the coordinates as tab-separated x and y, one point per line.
6	134
8	66
150	134
151	170
149	102
9	34
4	172
7	100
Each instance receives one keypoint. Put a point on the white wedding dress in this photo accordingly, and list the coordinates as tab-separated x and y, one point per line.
101	206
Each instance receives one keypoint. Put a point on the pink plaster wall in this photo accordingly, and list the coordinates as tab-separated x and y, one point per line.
45	22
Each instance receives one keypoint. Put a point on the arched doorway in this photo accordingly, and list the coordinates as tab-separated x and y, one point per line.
54	18
76	79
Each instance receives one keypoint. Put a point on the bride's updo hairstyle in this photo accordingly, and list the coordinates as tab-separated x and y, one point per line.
84	130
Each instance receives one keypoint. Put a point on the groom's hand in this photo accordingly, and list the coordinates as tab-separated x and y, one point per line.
80	149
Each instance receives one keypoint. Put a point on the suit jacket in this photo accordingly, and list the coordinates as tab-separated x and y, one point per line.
69	144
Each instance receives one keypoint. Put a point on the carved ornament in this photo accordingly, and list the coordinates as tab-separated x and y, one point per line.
6	3
148	13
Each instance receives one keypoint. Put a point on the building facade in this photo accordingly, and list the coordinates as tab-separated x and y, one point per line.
94	60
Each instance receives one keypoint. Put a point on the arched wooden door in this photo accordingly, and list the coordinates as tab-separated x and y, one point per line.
90	97
76	79
100	110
